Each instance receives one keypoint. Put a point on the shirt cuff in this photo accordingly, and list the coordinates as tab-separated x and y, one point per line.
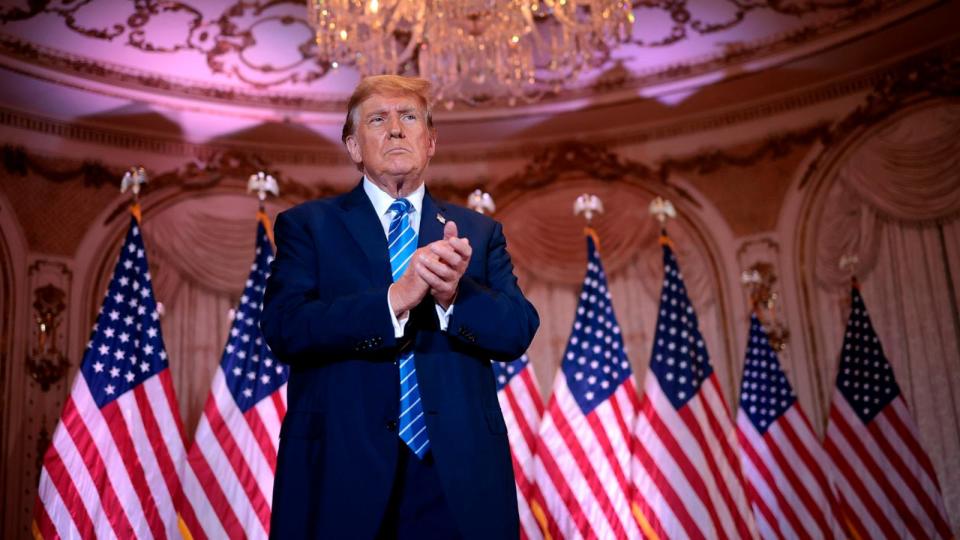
443	315
398	324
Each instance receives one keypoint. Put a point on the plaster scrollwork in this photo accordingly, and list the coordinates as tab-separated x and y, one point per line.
230	40
690	19
231	36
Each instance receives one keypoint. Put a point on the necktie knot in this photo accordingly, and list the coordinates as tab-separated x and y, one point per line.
400	207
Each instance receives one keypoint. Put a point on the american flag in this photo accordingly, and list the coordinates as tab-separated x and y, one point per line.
784	464
582	460
885	481
113	467
233	459
522	409
686	471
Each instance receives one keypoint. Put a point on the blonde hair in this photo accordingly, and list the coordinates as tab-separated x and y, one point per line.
386	85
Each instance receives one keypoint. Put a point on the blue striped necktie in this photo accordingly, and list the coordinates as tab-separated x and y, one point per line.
402	240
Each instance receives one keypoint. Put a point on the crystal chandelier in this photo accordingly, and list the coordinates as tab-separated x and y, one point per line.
473	51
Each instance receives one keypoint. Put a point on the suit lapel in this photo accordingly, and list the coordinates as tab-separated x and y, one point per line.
431	228
365	227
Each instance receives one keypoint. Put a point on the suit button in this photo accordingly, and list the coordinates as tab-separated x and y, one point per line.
391	425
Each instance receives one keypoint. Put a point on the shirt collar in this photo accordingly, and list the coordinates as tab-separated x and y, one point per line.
382	200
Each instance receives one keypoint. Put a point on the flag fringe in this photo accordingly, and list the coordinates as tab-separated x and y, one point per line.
645	526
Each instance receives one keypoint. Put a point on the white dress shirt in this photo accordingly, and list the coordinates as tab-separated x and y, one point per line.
381	201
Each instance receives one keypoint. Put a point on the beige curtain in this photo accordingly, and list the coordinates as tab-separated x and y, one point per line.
896	204
200	251
548	248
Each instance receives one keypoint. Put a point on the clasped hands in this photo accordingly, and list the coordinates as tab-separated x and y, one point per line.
435	268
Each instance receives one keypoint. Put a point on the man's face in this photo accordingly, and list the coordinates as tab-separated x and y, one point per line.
393	141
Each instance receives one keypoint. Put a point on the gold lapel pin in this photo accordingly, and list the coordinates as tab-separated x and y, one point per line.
441	219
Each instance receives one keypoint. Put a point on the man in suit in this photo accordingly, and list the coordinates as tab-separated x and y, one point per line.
389	306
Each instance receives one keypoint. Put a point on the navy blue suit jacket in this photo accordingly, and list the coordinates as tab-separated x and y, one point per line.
325	313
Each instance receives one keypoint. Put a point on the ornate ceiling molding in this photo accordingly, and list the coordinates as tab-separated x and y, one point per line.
569	160
934	75
137	79
154	144
227	41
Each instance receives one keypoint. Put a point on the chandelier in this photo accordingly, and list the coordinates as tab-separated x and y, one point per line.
473	51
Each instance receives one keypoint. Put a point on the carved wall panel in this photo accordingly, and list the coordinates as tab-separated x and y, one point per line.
38	381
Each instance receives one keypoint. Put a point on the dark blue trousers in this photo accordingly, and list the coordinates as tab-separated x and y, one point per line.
417	509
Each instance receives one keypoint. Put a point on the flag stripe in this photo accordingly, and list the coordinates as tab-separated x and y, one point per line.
603	461
759	493
803	471
925	487
869	459
210	484
73	503
522	423
913	485
806	445
262	438
675	510
631	403
854	526
752	452
902	422
224	473
718	449
528	525
695	480
247	480
559	488
199	530
279	401
43	526
134	467
137	429
531	386
245	440
851	484
571	439
792	487
545	518
601	436
91	455
157	402
716	409
714	478
674	468
271	420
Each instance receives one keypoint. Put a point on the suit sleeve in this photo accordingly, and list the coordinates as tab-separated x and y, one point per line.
494	317
299	325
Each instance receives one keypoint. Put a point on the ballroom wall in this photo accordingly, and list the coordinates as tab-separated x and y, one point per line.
866	164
